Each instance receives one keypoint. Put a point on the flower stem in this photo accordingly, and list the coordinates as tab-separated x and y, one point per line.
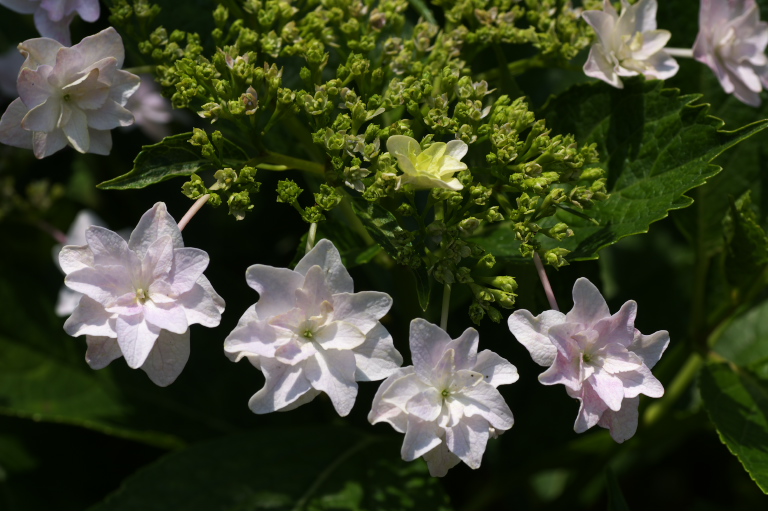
446	306
545	281
680	52
311	236
193	211
678	386
56	234
289	162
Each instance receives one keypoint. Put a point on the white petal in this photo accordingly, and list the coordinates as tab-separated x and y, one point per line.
599	66
89	318
603	23
650	347
58	30
108	247
363	309
199	307
467	440
252	338
485	401
45	144
188	265
43	117
440	460
333	372
590	409
640	381
11	132
101	142
21	6
608	387
217	300
167	358
533	333
284	385
136	339
588	304
154	224
339	336
377	357
456	149
110	115
325	255
88	10
400	390
465	349
67	301
400	145
425	405
166	316
102	45
622	424
73	258
101	351
313	293
495	369
33	87
39	51
276	288
384	411
76	130
428	345
103	286
420	438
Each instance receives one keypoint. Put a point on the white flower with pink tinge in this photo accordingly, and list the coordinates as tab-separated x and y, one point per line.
628	45
447	402
732	42
52	17
602	359
309	333
141	296
69	96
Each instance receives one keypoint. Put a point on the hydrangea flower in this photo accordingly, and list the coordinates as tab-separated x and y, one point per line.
151	111
141	296
52	17
602	360
628	45
732	42
310	333
446	403
69	96
433	168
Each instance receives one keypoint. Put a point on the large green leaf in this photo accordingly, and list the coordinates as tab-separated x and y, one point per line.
172	157
287	469
737	403
745	340
655	145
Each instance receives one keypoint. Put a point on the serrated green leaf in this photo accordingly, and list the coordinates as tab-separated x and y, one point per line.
745	340
737	403
747	247
655	145
172	157
270	469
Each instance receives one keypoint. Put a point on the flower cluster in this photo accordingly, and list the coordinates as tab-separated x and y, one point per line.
602	359
52	18
69	96
140	296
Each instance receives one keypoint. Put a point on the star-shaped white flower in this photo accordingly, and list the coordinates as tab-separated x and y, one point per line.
446	403
310	333
141	296
52	17
69	96
602	360
433	168
732	42
628	45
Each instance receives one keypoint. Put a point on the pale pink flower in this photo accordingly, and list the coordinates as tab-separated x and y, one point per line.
310	333
52	17
732	42
602	359
446	403
141	296
628	45
69	96
152	112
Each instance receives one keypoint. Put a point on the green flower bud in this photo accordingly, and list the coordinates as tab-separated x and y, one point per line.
199	137
225	178
288	191
239	204
312	215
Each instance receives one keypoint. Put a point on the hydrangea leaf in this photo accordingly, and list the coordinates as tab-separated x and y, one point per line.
329	467
172	157
737	403
655	146
745	340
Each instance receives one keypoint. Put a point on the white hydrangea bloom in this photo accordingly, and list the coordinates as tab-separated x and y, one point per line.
69	96
141	296
52	17
446	403
628	45
602	359
310	333
433	168
152	112
732	42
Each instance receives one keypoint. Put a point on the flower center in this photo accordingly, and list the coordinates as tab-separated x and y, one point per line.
586	358
446	393
308	334
141	296
66	97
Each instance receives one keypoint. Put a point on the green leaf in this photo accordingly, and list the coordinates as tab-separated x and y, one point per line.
616	501
172	157
747	248
655	145
737	403
745	340
315	468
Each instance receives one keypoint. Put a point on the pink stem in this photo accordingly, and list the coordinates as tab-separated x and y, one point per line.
54	232
193	211
545	281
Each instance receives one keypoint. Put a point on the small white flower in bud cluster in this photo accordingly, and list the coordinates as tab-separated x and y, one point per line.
152	112
141	296
52	17
310	333
432	168
732	42
628	45
602	359
446	403
69	96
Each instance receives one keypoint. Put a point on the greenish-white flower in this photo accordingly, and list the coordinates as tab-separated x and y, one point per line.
433	168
